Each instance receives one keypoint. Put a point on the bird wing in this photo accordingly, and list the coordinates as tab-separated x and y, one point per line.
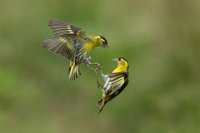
68	40
60	45
115	83
61	28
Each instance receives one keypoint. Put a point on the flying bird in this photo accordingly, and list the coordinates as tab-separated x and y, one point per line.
115	82
72	42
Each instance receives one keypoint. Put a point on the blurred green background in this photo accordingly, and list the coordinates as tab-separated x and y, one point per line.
160	39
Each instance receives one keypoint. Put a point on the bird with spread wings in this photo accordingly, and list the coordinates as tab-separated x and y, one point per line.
72	42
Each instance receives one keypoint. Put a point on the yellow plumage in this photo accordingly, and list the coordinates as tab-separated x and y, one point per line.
115	82
72	42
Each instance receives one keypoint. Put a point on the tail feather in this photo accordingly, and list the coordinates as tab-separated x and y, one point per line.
101	104
74	71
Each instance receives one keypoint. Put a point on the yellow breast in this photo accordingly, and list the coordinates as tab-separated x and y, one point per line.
89	46
120	69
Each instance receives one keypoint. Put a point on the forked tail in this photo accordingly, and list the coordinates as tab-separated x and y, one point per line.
74	71
101	104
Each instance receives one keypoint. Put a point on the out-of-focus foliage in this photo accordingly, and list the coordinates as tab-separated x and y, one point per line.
160	38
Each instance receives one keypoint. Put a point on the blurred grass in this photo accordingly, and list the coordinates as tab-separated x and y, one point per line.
159	38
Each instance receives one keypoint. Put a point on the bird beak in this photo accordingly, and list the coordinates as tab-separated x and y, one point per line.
104	41
105	45
116	59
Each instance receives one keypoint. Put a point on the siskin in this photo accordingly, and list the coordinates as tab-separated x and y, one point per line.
72	42
115	82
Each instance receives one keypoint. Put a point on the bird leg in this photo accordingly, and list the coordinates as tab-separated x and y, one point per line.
88	64
98	84
98	66
99	69
96	70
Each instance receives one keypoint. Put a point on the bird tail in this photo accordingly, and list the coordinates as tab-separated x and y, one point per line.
101	104
74	71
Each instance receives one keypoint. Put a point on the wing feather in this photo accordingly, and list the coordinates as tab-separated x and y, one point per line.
114	83
60	45
61	28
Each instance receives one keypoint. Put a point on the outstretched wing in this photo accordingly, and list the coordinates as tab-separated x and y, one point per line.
67	41
115	83
61	28
60	45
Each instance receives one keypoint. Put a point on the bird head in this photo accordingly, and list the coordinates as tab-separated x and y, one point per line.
101	41
122	63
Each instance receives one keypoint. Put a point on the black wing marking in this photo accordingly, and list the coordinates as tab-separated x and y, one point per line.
115	83
61	28
60	45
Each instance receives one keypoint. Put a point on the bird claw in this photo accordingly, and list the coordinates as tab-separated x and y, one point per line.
98	68
98	84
